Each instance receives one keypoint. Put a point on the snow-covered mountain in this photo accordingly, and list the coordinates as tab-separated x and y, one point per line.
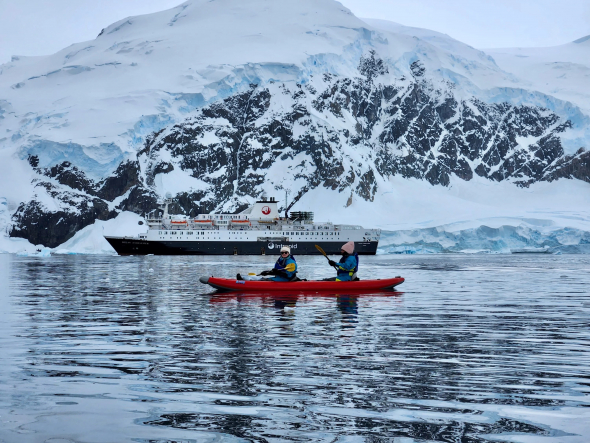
543	75
221	101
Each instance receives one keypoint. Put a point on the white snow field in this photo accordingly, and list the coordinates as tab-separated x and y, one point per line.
93	103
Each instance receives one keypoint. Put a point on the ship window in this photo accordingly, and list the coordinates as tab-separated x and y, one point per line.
166	233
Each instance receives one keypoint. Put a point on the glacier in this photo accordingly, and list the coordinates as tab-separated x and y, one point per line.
484	239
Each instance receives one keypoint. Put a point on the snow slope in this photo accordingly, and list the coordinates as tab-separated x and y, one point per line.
459	50
560	71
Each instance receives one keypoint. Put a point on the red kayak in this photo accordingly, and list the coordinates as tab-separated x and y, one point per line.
226	284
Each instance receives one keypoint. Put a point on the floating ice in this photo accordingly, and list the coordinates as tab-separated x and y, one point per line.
45	252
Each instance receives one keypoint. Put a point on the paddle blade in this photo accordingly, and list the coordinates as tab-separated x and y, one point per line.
319	248
290	267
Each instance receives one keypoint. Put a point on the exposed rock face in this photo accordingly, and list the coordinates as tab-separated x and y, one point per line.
571	166
343	134
79	201
410	128
40	225
122	180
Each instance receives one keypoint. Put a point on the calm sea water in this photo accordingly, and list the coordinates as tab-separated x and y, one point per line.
480	348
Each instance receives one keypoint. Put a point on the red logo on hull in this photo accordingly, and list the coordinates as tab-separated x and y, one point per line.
265	210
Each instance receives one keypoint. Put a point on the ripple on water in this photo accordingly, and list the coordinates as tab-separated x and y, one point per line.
476	349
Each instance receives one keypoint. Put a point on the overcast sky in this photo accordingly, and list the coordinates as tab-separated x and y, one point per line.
38	27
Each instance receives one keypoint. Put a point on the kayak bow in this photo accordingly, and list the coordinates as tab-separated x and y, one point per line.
226	284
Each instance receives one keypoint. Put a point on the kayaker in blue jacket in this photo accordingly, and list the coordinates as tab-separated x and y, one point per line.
347	267
285	268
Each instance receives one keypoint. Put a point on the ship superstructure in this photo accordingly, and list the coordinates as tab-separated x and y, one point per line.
258	230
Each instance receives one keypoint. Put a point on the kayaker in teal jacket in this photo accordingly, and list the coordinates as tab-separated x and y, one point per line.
285	268
347	267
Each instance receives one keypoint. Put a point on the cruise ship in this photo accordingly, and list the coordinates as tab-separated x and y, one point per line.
259	230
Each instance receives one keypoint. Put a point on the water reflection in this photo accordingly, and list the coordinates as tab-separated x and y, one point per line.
348	305
142	356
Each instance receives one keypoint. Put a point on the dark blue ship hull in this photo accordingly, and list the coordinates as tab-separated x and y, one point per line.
136	246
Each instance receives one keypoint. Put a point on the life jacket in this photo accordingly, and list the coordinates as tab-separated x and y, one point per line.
282	262
343	259
280	267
